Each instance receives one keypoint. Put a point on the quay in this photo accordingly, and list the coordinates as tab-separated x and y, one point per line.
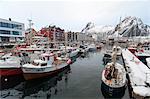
138	75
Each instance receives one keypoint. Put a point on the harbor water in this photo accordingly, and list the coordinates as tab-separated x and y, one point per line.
80	80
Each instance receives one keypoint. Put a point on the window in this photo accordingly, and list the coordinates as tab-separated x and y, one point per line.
9	25
43	64
4	24
0	24
4	32
15	33
5	39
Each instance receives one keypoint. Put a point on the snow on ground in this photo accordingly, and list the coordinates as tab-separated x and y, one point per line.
137	73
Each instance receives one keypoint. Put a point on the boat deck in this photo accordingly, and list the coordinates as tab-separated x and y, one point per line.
119	81
138	72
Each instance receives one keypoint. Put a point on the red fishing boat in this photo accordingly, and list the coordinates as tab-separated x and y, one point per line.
10	70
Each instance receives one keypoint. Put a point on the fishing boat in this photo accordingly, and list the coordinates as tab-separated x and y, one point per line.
143	52
132	48
46	65
10	69
44	85
113	80
83	50
115	48
108	54
92	47
74	53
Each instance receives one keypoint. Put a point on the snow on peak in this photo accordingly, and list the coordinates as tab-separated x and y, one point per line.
100	29
90	28
131	26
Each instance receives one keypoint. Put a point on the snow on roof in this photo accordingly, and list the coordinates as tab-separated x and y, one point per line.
39	61
7	55
47	54
138	73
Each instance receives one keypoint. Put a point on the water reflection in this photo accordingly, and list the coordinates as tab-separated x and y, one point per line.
7	82
38	88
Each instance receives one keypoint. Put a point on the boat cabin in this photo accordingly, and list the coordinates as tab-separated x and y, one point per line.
39	63
118	49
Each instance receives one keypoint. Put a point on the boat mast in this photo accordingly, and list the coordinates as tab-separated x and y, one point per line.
114	56
30	31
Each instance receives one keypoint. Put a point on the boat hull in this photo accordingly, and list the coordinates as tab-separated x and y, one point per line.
10	71
110	92
10	77
32	76
92	49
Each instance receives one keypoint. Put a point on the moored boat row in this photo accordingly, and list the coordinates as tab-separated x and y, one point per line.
33	64
45	64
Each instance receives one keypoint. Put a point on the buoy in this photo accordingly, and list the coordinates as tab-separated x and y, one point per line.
6	79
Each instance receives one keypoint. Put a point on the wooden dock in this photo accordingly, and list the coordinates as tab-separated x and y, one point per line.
139	75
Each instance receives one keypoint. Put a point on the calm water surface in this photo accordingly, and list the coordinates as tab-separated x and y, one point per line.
81	80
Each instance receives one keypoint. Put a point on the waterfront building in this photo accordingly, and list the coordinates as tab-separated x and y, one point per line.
72	36
11	31
53	31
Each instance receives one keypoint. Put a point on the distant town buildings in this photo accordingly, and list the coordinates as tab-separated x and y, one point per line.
75	37
14	32
72	36
11	31
53	32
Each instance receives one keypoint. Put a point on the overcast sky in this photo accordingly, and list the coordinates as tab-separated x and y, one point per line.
74	15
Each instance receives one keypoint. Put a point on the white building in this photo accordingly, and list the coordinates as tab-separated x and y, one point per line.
11	31
84	37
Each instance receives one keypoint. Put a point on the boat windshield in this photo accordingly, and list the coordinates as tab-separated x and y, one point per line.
43	64
35	64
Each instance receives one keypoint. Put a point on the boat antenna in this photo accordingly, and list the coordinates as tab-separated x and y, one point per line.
30	30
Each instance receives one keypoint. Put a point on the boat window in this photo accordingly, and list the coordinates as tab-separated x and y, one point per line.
43	64
35	64
117	49
4	59
44	58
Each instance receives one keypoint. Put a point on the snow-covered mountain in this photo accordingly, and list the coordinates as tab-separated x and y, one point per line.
131	26
128	27
92	29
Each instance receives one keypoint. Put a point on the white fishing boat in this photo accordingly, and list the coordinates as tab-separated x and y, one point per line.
117	48
83	49
74	53
143	52
46	65
92	47
113	79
